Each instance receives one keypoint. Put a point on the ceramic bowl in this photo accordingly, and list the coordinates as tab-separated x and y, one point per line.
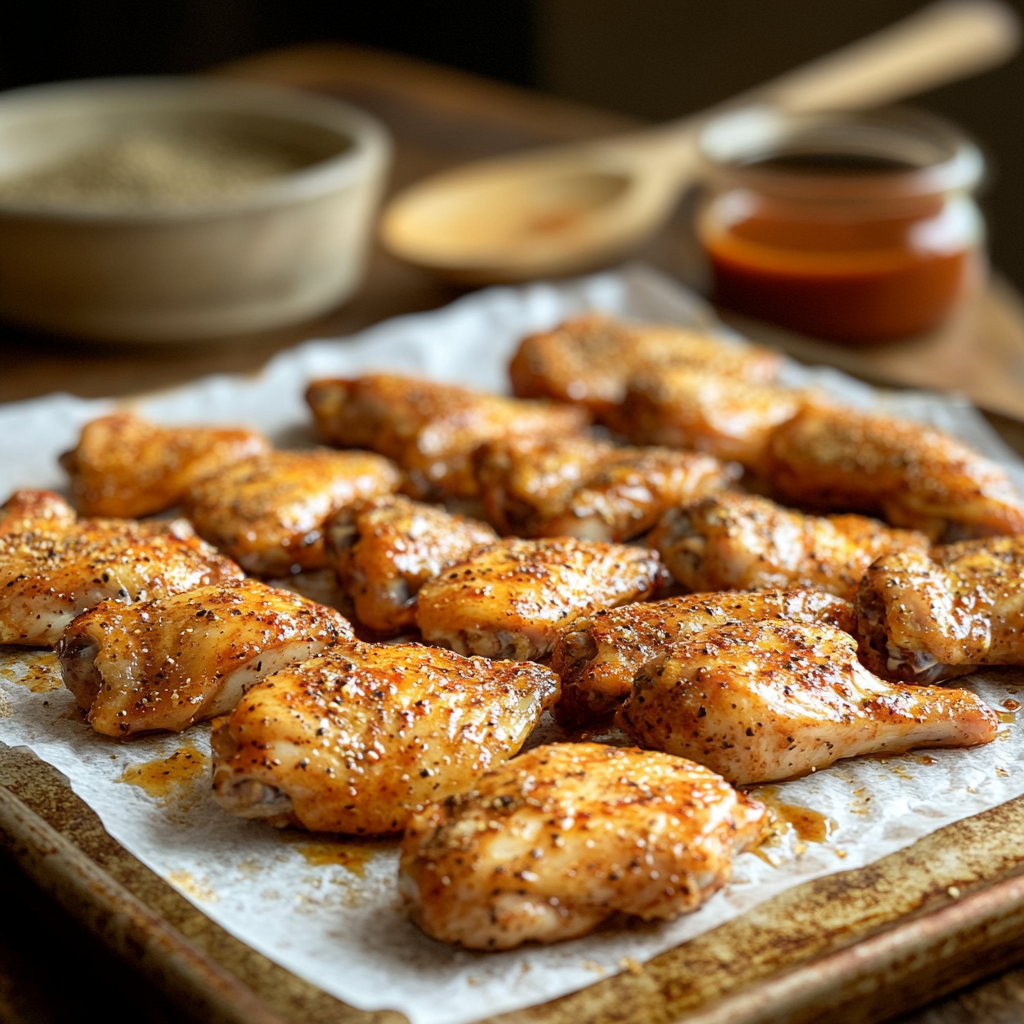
282	251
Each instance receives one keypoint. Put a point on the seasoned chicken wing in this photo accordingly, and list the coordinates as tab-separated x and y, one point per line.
709	412
27	509
742	542
360	738
48	576
431	430
386	549
762	701
548	846
169	662
578	487
596	657
510	599
590	359
128	467
924	618
912	475
268	512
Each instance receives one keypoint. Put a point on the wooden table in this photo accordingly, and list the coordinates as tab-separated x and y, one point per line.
439	118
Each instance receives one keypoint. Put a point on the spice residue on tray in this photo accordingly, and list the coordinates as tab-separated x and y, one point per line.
353	856
40	672
165	778
154	168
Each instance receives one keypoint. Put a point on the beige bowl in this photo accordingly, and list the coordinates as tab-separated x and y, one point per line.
282	251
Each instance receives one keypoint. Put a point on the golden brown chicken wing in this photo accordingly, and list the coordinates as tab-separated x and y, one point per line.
27	509
596	657
360	738
924	618
128	467
167	663
762	701
268	512
47	577
912	475
590	359
431	430
741	542
510	599
578	487
548	846
708	412
384	550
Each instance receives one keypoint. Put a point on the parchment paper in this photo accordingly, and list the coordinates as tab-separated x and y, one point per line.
328	909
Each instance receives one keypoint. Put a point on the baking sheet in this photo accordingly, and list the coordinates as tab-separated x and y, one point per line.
327	909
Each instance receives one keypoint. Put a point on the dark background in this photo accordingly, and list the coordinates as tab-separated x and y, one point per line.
651	58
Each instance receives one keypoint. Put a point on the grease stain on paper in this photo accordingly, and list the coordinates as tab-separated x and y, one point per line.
165	779
198	889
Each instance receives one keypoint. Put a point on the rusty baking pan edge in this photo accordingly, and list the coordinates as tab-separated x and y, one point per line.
124	923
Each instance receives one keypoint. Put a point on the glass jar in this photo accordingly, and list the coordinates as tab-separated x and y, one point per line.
856	227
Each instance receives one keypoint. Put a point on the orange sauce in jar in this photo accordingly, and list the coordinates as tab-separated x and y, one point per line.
857	246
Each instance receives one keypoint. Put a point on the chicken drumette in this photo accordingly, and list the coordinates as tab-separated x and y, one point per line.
384	550
268	512
510	599
551	844
48	576
167	663
360	738
578	487
127	467
431	430
597	657
742	542
763	701
924	618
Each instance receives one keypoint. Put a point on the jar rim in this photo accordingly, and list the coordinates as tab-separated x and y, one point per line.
928	155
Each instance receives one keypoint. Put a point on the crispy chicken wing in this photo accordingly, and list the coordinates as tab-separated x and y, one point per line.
510	599
548	846
590	359
386	549
48	576
762	701
167	663
741	542
924	618
597	657
709	412
358	739
912	475
125	466
268	512
578	487
27	509
431	430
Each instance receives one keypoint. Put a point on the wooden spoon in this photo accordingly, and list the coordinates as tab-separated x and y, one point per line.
571	208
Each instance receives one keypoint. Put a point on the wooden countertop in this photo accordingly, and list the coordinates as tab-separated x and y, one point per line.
439	118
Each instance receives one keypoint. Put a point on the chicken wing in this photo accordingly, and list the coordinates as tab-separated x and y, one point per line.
597	657
166	663
386	549
912	475
48	576
741	542
431	430
548	846
27	509
578	487
590	359
358	739
924	618
510	599
763	701
268	512
709	412
127	467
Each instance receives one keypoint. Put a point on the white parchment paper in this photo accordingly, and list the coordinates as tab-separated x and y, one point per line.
328	909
